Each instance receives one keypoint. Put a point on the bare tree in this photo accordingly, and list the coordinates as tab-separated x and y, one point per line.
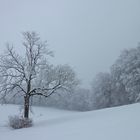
30	74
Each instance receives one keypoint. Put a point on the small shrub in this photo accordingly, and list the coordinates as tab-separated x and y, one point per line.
17	122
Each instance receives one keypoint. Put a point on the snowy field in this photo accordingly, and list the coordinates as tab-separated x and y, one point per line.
119	123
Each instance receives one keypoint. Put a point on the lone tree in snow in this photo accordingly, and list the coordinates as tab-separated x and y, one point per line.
29	74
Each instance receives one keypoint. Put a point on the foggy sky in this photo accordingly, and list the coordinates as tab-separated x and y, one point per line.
86	34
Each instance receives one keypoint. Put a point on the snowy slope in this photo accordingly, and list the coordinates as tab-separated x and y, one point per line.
119	123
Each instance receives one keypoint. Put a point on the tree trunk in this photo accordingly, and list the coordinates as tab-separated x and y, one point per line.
27	99
26	106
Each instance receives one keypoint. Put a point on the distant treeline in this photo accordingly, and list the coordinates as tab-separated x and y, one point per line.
118	87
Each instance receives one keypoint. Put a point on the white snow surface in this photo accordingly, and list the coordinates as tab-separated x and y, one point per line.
118	123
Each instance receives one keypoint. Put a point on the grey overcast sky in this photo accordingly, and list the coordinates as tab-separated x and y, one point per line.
86	34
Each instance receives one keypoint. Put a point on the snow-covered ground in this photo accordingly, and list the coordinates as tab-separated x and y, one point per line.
119	123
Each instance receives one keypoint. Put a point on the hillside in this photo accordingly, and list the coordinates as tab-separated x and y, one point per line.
119	123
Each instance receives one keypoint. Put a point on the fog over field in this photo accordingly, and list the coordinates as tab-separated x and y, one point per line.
86	34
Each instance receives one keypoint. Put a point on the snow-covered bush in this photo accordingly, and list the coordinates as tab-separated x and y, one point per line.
17	122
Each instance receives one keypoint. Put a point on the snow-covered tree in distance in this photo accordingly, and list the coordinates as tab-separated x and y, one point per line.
127	72
30	74
102	91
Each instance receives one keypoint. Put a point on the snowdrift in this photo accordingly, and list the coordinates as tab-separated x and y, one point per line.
118	123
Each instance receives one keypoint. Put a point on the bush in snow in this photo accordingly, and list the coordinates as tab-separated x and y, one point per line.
17	122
